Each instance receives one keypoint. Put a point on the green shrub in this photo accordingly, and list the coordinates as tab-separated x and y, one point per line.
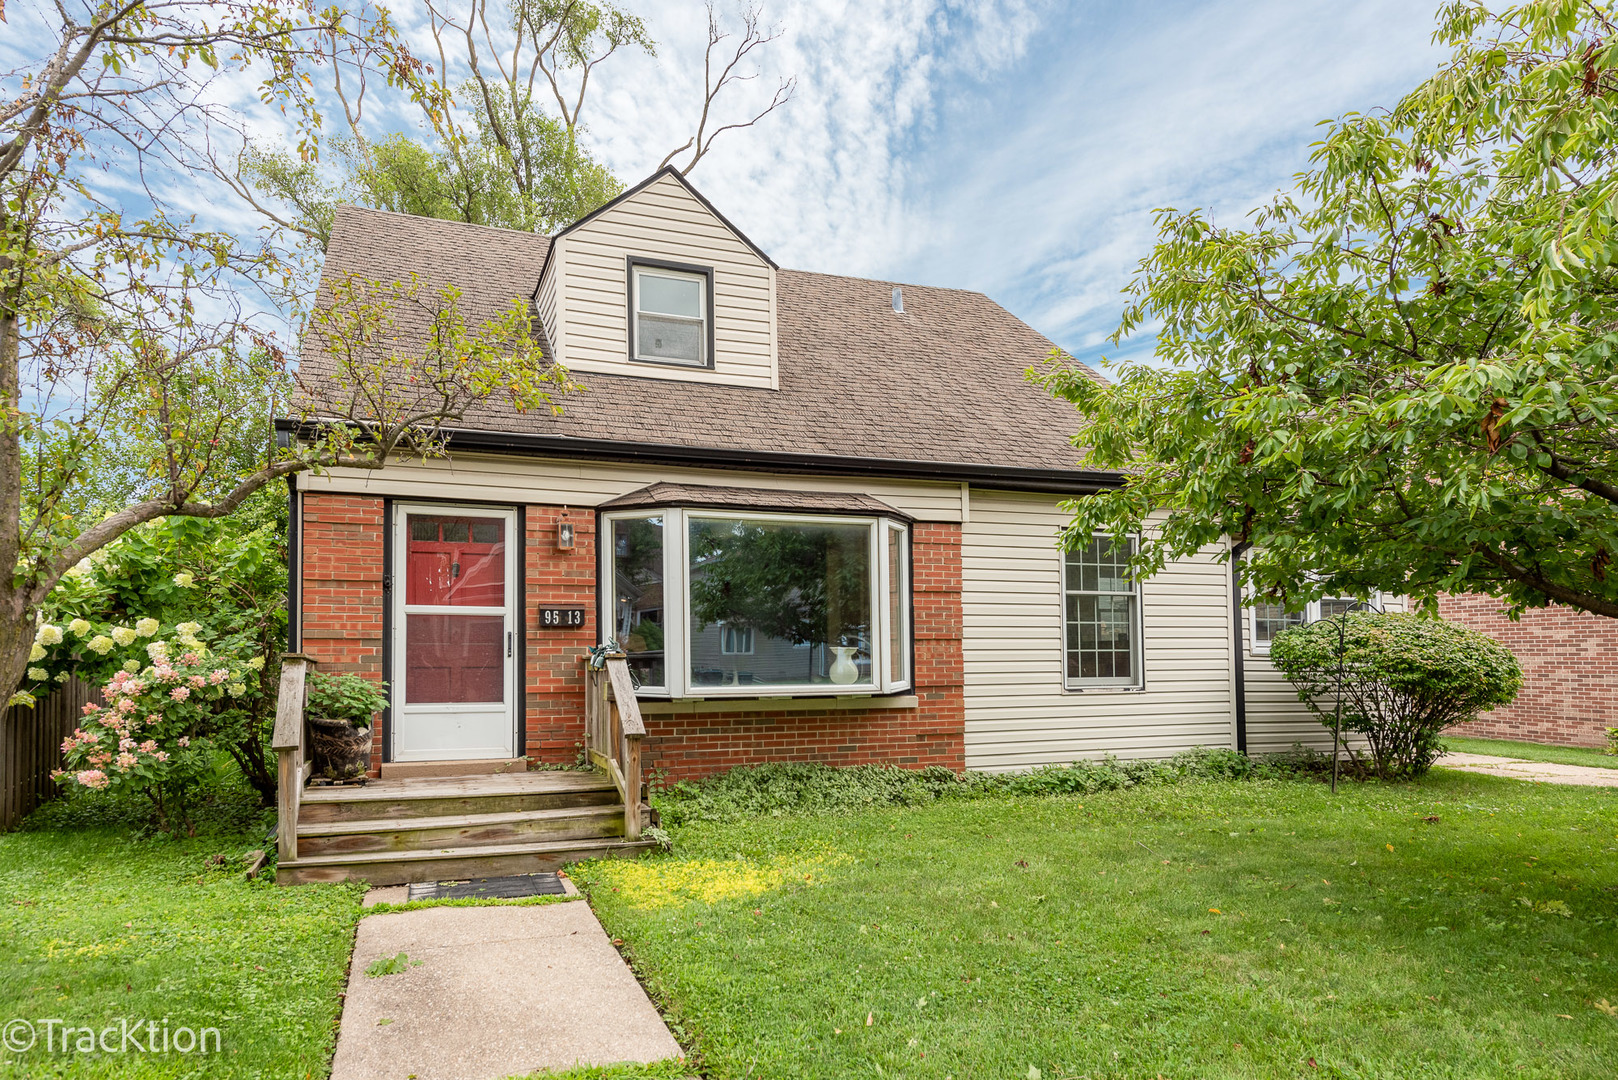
346	697
1405	678
1611	749
782	788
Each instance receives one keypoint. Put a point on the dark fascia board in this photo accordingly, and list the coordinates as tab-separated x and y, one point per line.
994	477
667	170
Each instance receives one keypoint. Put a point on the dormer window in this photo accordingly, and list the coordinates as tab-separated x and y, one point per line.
672	313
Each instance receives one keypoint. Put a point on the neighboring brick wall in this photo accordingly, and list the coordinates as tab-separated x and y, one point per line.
341	588
1570	672
686	746
554	682
342	604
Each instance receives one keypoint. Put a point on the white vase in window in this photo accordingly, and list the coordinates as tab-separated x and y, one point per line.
843	669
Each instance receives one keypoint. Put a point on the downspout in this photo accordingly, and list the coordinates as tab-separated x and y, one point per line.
1236	623
294	565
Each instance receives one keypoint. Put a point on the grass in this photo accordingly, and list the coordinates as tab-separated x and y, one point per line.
100	922
1560	755
1463	928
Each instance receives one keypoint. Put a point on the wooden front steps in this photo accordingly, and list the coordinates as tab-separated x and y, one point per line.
390	832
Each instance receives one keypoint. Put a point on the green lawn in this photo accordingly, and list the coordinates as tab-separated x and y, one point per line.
98	924
1466	927
1561	755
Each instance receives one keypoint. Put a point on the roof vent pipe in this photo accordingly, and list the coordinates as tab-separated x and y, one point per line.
898	300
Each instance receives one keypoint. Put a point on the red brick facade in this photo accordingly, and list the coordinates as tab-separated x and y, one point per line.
342	603
1570	672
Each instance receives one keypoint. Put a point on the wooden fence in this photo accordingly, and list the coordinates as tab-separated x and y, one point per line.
31	747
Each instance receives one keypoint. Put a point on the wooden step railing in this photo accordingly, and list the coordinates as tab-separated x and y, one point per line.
613	731
288	741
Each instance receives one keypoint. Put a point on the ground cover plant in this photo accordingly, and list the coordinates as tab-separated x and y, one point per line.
1560	755
102	919
1463	927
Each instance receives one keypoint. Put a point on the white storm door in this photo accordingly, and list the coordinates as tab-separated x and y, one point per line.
455	610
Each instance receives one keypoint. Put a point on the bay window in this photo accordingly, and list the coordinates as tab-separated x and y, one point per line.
715	603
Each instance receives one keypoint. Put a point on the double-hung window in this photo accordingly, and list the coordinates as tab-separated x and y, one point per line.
1269	619
671	314
1101	615
715	603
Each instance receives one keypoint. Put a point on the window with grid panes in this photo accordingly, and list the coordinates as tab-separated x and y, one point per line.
1102	615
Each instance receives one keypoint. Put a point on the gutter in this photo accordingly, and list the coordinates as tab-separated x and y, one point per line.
1001	477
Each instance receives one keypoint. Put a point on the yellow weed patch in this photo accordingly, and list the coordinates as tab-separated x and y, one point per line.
656	883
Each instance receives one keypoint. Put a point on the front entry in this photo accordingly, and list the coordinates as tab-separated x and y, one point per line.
455	609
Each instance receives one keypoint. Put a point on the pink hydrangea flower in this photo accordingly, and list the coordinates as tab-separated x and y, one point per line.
126	761
180	693
125	743
219	675
190	659
90	708
100	759
70	742
197	682
185	740
153	718
163	672
148	747
126	706
161	755
92	778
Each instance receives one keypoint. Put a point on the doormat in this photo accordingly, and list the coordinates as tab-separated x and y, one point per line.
494	888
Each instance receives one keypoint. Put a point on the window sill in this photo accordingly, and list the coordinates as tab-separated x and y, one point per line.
665	706
1105	689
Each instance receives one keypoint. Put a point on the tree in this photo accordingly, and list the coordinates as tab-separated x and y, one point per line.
1401	375
507	151
1403	678
137	322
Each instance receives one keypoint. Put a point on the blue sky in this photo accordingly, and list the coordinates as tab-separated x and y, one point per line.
1013	146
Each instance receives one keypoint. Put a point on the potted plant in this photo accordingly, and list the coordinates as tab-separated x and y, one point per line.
340	709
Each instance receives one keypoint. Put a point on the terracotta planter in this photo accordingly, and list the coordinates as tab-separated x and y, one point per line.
338	750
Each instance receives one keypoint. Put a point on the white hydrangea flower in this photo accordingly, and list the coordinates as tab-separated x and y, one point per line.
132	666
237	689
61	676
184	579
147	627
38	674
37	652
80	627
158	650
189	629
101	644
123	635
50	635
22	697
256	663
80	568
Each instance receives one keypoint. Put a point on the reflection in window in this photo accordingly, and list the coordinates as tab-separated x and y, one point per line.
455	561
801	591
638	602
670	316
1270	619
1102	610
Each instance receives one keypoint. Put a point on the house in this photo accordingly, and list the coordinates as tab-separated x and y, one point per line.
817	513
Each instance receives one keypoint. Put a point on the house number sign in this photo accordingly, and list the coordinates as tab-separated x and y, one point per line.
561	618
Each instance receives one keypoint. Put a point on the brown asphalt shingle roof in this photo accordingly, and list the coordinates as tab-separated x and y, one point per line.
941	383
714	497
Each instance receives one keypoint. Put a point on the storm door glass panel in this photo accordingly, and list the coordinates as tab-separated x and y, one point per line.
455	561
898	605
1101	615
638	603
455	658
799	592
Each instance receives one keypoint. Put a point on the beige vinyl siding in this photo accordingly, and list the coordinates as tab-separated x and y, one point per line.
548	302
665	221
1018	714
1276	720
496	479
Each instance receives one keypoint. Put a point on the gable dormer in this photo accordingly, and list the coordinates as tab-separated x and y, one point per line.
657	284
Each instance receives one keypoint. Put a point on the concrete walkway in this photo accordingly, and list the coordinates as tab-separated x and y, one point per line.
1543	771
493	992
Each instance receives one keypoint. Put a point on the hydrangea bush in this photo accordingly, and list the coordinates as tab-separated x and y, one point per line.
179	624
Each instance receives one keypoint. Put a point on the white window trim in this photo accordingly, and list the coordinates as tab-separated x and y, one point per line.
640	270
1311	614
677	603
1076	684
